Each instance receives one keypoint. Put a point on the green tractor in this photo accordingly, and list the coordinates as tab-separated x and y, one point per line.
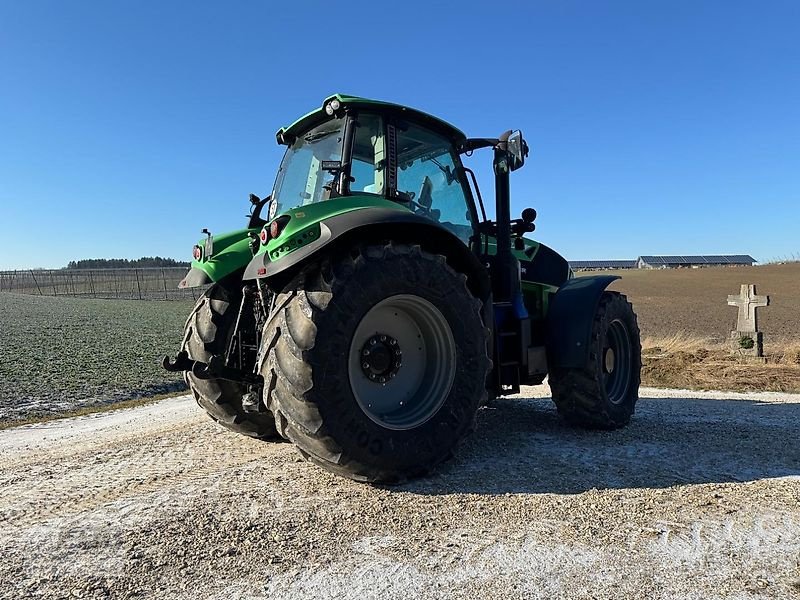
374	308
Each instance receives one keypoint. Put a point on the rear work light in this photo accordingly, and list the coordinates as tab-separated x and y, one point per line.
197	253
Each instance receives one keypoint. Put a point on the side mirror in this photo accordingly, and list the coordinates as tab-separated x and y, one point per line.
517	150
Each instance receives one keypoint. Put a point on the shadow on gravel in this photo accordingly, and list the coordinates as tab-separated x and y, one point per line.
521	446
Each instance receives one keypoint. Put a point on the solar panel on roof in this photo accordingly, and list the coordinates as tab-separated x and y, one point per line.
707	259
602	264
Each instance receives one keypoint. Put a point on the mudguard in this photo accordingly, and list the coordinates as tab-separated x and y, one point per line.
231	253
194	278
375	223
569	320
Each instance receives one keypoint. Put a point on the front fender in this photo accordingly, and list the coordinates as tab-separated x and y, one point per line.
569	320
233	257
194	278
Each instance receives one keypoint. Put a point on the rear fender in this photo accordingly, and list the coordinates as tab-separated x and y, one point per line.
375	225
569	320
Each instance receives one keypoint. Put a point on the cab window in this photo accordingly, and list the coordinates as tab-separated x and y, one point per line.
368	157
428	180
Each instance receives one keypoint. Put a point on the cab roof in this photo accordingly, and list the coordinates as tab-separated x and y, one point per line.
319	115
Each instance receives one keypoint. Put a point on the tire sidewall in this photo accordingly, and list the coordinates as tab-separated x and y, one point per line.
618	309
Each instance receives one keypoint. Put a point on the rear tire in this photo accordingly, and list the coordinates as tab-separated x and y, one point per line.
603	394
330	369
208	331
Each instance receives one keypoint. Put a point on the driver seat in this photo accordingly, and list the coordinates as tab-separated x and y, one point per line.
426	199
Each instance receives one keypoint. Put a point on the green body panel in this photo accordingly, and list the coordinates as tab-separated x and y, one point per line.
231	253
303	226
312	118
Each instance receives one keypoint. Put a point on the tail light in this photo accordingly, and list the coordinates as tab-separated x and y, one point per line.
197	253
277	226
263	236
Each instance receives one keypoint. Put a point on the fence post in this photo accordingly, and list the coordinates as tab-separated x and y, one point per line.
164	279
138	285
36	282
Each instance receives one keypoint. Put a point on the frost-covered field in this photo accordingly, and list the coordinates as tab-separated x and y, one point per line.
64	353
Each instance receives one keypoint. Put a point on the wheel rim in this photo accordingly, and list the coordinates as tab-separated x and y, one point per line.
616	360
402	362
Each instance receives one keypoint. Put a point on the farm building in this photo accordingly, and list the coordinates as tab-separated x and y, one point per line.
600	265
664	262
675	262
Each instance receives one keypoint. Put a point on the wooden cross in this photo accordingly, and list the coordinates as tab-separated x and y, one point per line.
748	302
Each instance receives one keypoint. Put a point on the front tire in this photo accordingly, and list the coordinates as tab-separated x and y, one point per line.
207	332
375	364
603	394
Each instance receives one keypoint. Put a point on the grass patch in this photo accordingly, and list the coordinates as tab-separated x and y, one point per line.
62	354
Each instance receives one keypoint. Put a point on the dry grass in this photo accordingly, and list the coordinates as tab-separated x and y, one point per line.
682	360
791	354
680	341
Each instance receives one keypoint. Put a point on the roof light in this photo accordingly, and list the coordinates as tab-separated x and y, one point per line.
332	106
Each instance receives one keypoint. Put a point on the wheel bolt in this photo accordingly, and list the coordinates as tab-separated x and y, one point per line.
365	365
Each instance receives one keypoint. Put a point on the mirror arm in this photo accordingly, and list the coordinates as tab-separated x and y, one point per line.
476	143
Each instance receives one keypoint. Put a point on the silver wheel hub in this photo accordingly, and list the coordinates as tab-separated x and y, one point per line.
402	362
381	358
609	360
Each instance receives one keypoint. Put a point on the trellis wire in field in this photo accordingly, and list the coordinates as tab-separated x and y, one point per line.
131	284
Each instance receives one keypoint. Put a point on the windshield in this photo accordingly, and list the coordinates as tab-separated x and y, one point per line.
301	179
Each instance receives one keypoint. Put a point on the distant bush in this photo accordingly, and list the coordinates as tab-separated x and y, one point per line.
146	262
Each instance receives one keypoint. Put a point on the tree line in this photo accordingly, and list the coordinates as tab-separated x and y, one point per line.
146	262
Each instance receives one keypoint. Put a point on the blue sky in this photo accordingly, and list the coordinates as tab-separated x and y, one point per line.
655	127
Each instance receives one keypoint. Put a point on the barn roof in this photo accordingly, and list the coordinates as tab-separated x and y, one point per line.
602	264
708	259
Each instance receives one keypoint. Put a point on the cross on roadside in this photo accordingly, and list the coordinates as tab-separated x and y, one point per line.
747	302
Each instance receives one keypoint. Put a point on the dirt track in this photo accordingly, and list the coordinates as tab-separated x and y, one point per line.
698	498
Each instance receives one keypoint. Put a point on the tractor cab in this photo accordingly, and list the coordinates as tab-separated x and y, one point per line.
357	147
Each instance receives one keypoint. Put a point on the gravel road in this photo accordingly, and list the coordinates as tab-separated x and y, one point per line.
698	498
